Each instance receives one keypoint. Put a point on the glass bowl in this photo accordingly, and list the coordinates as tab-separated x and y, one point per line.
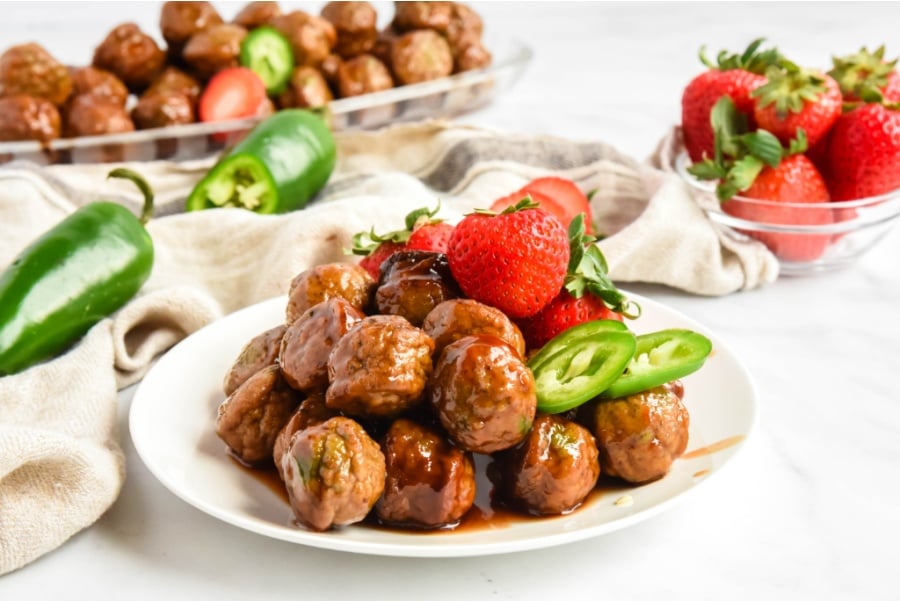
806	238
439	98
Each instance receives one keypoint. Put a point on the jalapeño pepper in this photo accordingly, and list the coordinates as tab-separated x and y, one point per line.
660	357
580	363
81	270
277	167
266	52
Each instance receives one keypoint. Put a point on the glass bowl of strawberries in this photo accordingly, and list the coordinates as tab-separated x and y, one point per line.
804	161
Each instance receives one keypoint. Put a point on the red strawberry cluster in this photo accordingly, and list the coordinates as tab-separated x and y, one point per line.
768	129
529	258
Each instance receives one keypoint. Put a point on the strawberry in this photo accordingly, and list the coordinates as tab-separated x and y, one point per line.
555	195
756	165
588	293
515	260
422	232
793	98
732	75
858	75
863	155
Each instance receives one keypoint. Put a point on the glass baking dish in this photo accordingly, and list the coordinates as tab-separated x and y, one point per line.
440	98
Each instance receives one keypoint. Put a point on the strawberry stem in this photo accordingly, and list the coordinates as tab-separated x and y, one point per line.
750	60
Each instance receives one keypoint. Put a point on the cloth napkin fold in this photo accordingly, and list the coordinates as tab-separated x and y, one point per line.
61	465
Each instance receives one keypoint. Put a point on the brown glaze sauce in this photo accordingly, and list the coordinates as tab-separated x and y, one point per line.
714	447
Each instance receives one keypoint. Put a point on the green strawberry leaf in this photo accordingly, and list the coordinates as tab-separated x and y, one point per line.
799	144
764	146
526	203
740	177
365	243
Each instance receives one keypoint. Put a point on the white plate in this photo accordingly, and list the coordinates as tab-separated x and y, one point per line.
173	416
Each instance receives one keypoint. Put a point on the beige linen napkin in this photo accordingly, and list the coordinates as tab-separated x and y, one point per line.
61	465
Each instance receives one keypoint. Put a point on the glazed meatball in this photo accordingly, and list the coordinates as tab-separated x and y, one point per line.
90	115
356	24
464	29
471	57
422	15
162	109
430	483
98	82
362	75
553	470
174	80
334	472
29	70
131	55
456	318
312	38
346	280
28	118
308	341
215	48
250	419
307	88
260	352
379	368
329	68
639	436
421	55
413	282
178	21
483	393
257	14
312	411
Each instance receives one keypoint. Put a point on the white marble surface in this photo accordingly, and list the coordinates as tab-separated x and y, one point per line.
808	508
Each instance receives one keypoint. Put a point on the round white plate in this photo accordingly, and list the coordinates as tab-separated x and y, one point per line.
172	423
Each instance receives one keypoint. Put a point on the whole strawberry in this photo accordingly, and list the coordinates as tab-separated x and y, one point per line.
732	75
515	260
860	74
422	232
756	166
863	155
793	98
588	293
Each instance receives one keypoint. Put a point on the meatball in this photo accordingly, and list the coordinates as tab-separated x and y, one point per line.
173	79
260	352
162	109
307	88
257	14
131	55
29	70
379	368
639	436
28	118
308	341
553	470
464	29
250	419
422	15
413	282
329	68
483	393
356	24
471	57
334	472
362	75
430	483
456	318
215	48
421	55
311	411
346	280
312	38
178	21
90	115
98	82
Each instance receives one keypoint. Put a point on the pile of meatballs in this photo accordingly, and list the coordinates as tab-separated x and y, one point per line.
134	83
372	397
